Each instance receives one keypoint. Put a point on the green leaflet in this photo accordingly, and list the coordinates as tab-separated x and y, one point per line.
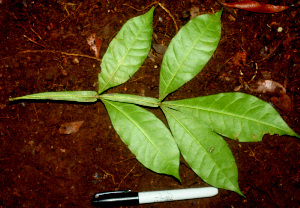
204	150
189	51
135	99
235	115
77	96
126	52
146	136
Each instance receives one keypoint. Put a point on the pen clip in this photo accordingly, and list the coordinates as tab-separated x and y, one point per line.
115	198
97	195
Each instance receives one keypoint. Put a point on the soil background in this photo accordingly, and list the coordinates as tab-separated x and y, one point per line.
44	48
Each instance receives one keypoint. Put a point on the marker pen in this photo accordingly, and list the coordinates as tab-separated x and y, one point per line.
123	198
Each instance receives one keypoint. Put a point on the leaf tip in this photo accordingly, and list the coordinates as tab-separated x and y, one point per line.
297	135
150	12
219	13
242	194
238	191
176	175
152	9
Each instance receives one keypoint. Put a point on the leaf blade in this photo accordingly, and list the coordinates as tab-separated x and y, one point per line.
146	136
126	52
189	51
204	150
235	115
77	96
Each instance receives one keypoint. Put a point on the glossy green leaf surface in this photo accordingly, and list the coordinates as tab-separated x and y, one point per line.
235	115
77	96
189	51
146	136
126	52
205	151
134	99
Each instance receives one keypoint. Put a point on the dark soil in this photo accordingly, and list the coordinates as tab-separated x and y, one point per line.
42	168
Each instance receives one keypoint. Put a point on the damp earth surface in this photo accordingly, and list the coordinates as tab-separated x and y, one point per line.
44	48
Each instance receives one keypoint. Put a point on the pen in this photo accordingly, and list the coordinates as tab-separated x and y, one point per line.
123	198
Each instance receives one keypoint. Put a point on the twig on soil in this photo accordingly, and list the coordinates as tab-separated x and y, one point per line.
36	33
255	73
126	176
61	52
33	41
139	10
252	154
69	13
15	17
37	117
272	51
11	13
162	6
124	160
112	177
227	9
169	13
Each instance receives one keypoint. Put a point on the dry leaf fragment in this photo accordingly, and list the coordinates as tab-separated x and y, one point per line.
240	59
268	86
194	11
70	128
283	102
161	49
254	6
279	99
91	39
98	45
95	44
231	18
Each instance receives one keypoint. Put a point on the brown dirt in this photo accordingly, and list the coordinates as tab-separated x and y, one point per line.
42	168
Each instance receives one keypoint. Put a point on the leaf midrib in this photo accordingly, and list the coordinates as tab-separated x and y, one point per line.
209	110
54	96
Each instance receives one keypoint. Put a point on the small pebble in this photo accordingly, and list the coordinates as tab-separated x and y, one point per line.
76	60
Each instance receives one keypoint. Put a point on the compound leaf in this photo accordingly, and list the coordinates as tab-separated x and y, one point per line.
135	99
77	96
189	51
146	136
126	52
204	150
235	115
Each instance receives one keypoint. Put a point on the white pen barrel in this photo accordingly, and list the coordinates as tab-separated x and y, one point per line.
173	195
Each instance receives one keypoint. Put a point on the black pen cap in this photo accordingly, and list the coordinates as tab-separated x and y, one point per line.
115	198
